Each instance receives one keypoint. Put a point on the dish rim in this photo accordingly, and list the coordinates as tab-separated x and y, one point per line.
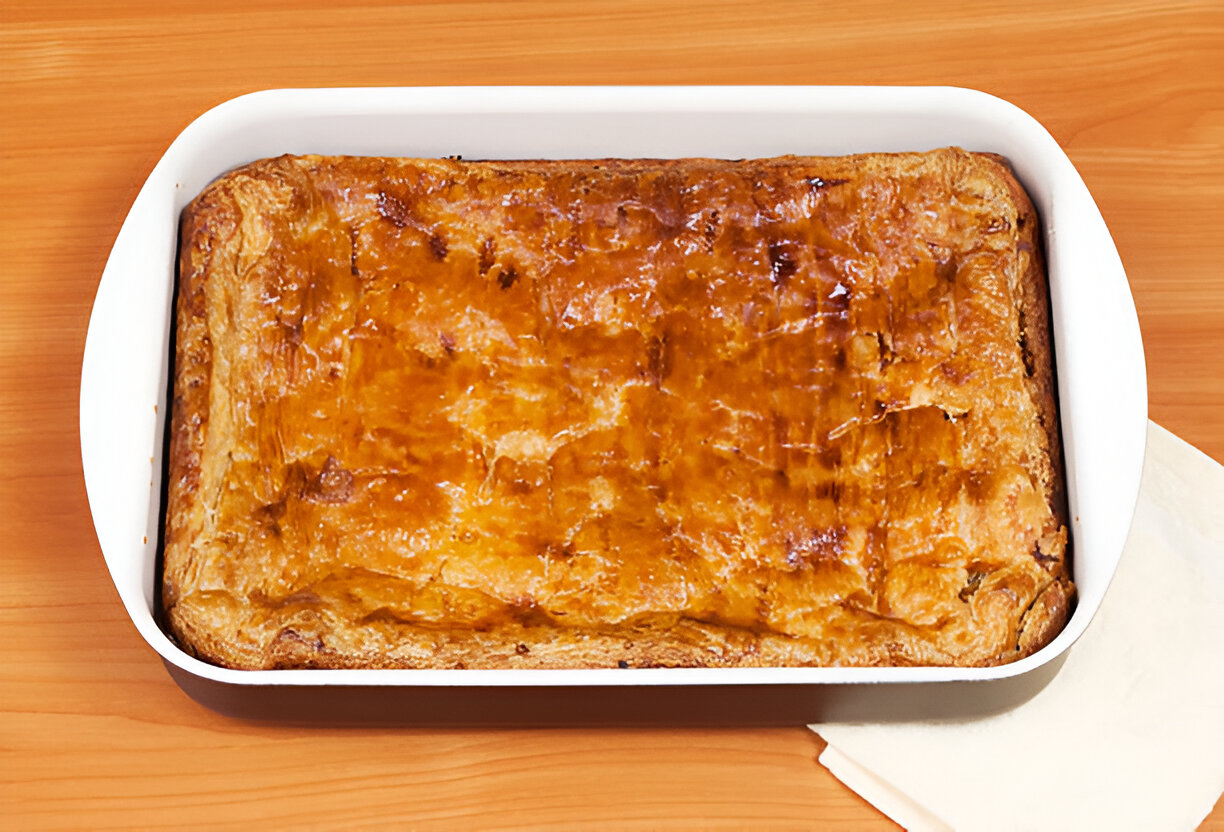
1063	201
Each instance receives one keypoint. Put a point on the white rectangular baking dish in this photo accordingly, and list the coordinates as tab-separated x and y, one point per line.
1099	353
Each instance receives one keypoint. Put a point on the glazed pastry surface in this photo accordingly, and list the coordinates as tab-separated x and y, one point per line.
449	414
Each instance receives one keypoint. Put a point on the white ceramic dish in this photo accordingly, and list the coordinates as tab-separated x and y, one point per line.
1099	354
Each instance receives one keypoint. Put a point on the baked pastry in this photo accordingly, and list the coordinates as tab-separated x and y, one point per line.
449	414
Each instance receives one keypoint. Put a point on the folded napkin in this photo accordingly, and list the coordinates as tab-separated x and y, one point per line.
1128	735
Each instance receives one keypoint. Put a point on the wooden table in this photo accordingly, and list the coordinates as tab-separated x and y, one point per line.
92	731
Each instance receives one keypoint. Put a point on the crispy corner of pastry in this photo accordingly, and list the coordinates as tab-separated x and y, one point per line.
1046	617
189	627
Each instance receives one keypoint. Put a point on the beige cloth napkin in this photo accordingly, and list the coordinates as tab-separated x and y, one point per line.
1128	735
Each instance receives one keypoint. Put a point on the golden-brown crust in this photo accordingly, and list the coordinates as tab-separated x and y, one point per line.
637	413
1049	613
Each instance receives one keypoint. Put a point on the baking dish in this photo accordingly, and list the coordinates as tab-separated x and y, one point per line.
1098	350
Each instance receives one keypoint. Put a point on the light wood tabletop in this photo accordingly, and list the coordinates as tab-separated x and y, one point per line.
94	734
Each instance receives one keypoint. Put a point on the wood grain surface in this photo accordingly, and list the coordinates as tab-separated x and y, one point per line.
94	734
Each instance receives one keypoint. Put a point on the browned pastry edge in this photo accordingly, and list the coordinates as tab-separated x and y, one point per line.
1049	612
530	646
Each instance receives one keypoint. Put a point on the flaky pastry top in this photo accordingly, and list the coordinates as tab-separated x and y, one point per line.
437	413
